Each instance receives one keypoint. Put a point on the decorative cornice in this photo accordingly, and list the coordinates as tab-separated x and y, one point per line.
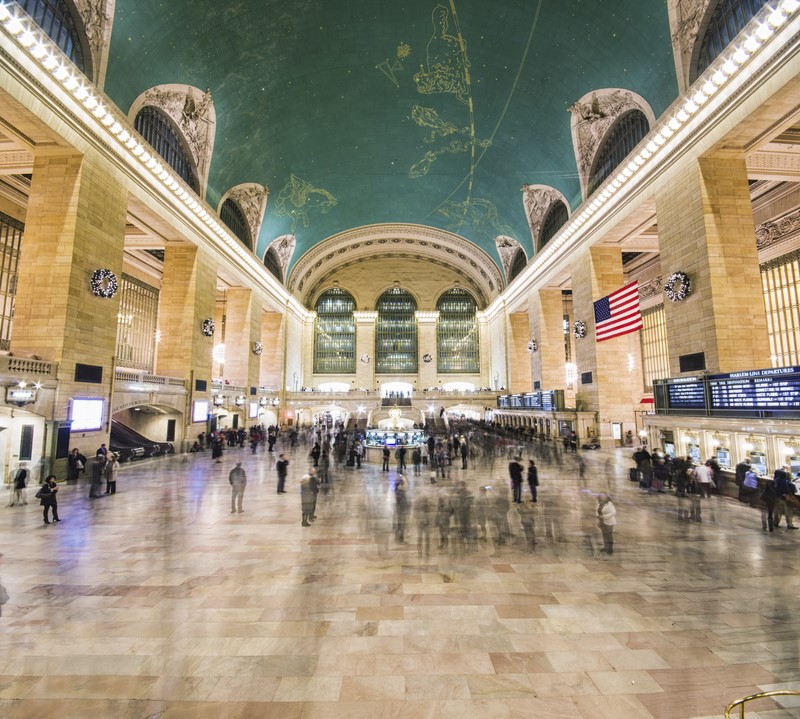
507	248
397	240
772	232
283	247
252	199
651	288
537	200
193	112
593	117
97	17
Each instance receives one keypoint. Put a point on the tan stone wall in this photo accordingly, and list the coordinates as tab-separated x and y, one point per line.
705	228
545	309
272	329
519	359
242	329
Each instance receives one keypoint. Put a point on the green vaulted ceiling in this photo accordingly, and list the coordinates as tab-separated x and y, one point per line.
372	111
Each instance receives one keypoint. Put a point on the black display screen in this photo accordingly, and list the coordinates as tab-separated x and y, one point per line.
547	401
686	395
772	389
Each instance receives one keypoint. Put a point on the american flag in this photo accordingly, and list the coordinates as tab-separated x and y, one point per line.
618	314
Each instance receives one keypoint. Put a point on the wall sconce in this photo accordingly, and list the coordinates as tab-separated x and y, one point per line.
276	401
240	400
571	370
262	402
219	400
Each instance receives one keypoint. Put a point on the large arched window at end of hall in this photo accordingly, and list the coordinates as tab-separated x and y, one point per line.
231	214
554	220
457	339
61	25
396	333
273	265
517	265
157	129
626	134
725	22
335	333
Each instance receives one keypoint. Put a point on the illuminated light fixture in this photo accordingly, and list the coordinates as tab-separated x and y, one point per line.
39	51
90	102
151	163
752	44
163	175
14	26
61	73
145	156
627	172
71	83
788	6
632	166
674	124
639	159
777	18
124	136
666	133
108	120
683	113
764	32
99	111
616	184
621	178
4	13
718	78
50	62
27	39
116	128
709	88
82	92
138	150
729	67
651	147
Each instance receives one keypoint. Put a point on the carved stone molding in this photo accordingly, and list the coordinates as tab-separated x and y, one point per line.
772	232
252	199
651	288
283	247
193	112
427	244
685	19
537	200
593	116
97	17
507	248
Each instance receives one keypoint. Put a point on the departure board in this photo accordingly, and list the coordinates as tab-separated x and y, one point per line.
547	401
770	389
686	395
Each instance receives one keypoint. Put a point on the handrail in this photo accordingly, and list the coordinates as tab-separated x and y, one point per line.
761	695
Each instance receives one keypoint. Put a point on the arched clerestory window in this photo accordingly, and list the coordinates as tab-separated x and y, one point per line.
626	134
157	129
273	265
556	217
231	214
726	22
457	339
335	333
396	333
61	26
517	265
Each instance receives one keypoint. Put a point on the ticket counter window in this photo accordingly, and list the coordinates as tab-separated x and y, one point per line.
724	457
759	462
693	451
794	464
669	449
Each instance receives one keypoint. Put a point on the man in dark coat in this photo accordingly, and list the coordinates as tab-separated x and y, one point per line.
515	472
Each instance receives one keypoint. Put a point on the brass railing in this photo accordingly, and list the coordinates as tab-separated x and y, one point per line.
761	695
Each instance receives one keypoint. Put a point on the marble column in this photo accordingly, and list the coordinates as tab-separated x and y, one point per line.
75	224
705	229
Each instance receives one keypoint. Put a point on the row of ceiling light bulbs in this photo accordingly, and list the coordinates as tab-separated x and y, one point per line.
775	15
40	47
28	35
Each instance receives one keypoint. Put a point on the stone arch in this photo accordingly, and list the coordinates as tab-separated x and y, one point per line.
251	198
538	200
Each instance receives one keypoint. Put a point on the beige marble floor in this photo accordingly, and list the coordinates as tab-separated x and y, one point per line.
158	602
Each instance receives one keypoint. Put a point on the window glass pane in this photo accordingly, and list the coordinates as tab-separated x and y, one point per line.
627	134
54	17
781	282
727	21
271	263
457	340
396	333
655	350
157	130
555	219
10	242
231	214
517	265
335	333
136	325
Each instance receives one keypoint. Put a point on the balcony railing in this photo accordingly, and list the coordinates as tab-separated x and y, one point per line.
145	382
29	367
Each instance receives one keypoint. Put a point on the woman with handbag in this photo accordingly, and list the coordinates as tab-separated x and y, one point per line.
47	498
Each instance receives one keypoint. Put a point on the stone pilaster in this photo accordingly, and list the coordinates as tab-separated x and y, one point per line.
242	331
616	382
519	359
188	296
706	229
272	330
365	348
546	312
75	224
426	328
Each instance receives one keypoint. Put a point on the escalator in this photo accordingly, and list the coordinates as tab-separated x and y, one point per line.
128	444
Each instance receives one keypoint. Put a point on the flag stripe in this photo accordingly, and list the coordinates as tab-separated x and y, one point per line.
618	314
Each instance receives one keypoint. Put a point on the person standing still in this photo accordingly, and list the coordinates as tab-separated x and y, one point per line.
110	472
97	476
515	472
607	519
533	479
282	465
47	498
20	482
238	481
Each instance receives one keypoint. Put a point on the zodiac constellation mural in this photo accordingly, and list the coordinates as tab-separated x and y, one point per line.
480	214
299	198
390	68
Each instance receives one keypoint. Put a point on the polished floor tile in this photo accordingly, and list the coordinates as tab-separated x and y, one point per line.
158	601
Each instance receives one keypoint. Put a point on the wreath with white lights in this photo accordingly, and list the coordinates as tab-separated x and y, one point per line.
427	358
532	346
579	329
104	284
678	286
208	327
365	359
258	348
